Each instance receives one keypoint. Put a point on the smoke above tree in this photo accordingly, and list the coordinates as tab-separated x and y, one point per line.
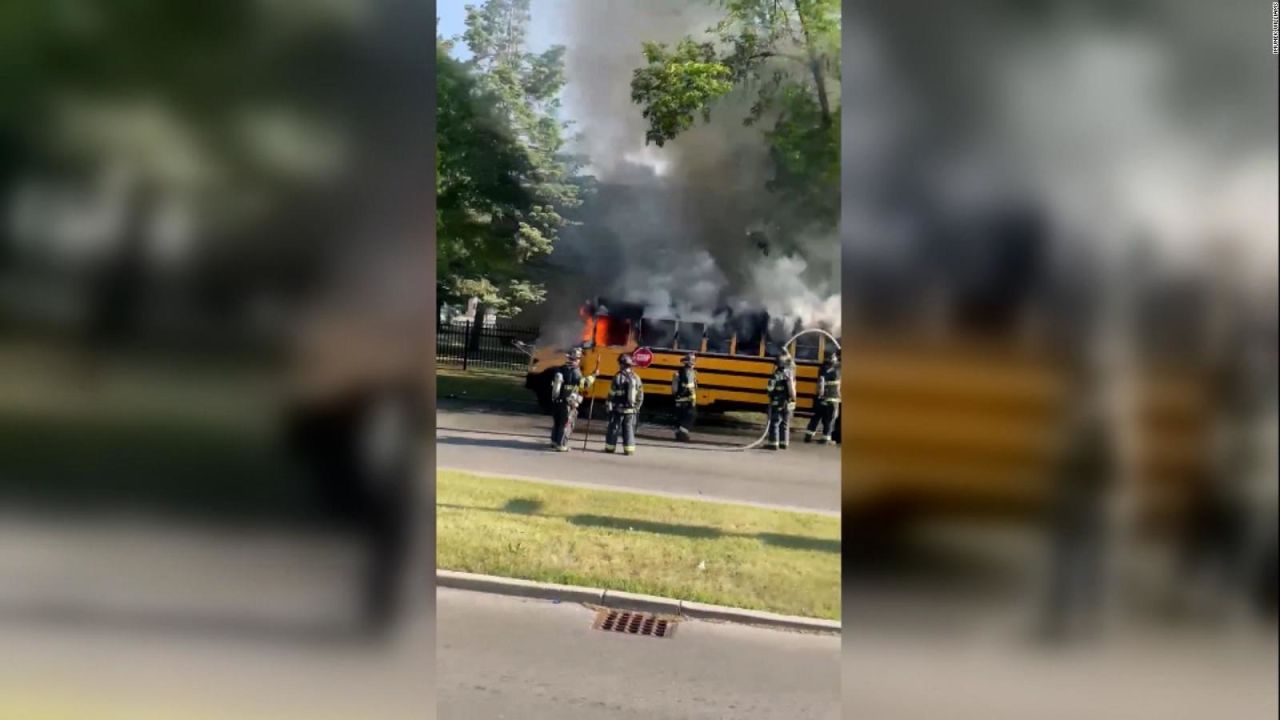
691	229
1098	131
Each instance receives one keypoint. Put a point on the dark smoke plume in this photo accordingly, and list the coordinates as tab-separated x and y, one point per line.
688	230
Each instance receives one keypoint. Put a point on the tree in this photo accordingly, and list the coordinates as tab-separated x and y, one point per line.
479	193
505	178
256	120
787	54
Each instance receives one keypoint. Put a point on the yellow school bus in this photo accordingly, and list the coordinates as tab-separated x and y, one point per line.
961	426
734	360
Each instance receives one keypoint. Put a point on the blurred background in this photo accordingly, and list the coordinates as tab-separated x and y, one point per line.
1059	232
1059	250
215	241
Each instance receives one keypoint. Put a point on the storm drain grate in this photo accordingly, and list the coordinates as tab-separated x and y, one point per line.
634	623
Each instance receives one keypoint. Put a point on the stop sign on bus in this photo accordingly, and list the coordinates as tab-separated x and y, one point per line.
642	357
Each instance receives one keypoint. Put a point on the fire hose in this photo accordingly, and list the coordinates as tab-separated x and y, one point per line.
760	440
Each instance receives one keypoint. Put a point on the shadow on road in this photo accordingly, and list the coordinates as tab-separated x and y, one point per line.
494	442
450	403
528	507
712	422
228	627
701	444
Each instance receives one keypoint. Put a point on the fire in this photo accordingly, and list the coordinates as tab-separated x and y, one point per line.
586	323
594	328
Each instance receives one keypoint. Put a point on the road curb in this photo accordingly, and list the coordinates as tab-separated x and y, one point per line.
631	601
618	600
519	588
720	613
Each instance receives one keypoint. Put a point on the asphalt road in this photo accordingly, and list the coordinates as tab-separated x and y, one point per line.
515	443
126	618
501	657
946	629
132	619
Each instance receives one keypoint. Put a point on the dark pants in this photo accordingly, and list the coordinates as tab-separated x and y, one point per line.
779	425
826	414
1215	545
624	425
1265	585
1077	544
562	429
390	523
686	414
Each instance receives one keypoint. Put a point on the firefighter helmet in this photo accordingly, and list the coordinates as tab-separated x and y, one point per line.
784	359
574	356
690	359
625	361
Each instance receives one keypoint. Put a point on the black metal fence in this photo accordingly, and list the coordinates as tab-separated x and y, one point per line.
492	347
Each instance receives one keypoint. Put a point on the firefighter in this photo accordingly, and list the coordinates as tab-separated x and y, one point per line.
782	402
626	395
567	388
684	386
826	403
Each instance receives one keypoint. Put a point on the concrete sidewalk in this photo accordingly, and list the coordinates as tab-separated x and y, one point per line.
630	601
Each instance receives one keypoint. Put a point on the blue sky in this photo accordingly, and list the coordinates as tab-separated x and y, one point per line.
543	30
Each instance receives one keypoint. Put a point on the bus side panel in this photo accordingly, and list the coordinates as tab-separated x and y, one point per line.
728	380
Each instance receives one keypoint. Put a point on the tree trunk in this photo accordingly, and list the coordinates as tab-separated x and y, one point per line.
815	67
823	101
477	329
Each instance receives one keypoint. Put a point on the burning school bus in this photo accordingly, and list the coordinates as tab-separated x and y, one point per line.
735	356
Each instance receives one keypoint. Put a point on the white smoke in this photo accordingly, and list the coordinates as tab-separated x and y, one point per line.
671	227
689	291
780	286
1149	133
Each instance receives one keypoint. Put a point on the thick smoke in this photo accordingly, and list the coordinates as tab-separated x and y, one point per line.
688	229
1132	141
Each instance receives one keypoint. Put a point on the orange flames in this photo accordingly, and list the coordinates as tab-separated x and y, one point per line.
602	331
594	328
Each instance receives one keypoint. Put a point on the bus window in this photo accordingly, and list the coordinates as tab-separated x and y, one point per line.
807	347
689	336
612	332
777	337
617	333
719	339
749	342
657	333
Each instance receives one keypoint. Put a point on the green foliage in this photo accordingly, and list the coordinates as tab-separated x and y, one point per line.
787	55
678	85
480	240
245	112
187	60
806	155
504	178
